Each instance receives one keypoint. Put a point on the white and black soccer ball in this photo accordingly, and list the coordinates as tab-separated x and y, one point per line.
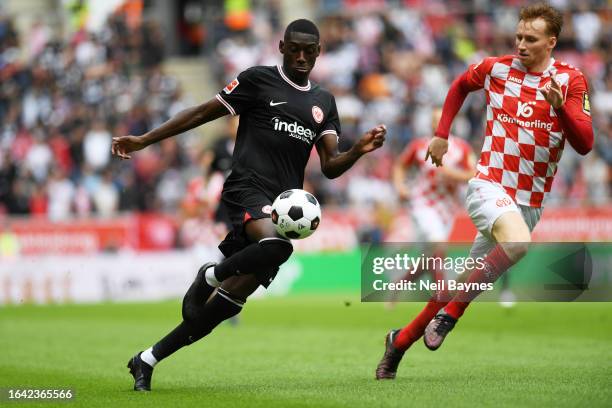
296	214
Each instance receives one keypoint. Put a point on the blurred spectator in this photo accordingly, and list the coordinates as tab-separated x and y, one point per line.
39	201
39	157
96	146
106	196
61	194
8	173
596	173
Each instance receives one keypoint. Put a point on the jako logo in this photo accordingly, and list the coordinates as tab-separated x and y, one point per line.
515	80
525	109
295	130
503	202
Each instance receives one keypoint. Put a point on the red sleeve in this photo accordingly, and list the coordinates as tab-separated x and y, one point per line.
477	73
575	116
458	91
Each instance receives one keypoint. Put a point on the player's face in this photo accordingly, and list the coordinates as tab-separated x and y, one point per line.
533	44
300	52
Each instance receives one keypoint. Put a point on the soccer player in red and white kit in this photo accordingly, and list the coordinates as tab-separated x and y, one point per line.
434	199
534	105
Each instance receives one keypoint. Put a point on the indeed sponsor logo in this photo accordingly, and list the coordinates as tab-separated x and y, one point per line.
294	129
534	124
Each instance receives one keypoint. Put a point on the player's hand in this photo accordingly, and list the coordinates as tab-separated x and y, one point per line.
123	145
552	93
372	139
436	150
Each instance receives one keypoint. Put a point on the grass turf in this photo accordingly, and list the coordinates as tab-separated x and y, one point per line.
314	352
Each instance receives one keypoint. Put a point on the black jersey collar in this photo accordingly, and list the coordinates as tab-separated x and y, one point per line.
290	82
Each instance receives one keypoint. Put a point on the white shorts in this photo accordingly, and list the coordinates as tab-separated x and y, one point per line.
486	202
429	225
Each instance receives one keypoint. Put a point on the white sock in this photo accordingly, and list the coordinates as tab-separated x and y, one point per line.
148	357
211	279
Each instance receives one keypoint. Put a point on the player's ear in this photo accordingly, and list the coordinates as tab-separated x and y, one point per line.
552	42
318	50
281	46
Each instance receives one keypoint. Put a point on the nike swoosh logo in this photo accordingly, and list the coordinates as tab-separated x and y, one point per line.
272	103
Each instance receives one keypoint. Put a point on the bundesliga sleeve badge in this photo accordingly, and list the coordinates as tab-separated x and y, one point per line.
231	86
586	104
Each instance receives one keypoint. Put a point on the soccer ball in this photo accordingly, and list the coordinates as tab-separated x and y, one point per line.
296	214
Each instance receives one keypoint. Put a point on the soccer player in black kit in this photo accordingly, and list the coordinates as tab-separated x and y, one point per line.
282	115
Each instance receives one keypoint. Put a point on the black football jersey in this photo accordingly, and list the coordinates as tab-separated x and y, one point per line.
280	122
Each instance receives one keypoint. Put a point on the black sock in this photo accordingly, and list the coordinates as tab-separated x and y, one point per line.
173	341
219	308
263	255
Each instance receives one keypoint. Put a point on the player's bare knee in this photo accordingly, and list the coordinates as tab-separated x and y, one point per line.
515	241
259	229
510	227
511	232
515	250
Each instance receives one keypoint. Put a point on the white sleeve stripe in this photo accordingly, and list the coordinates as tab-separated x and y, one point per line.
274	238
325	132
229	299
227	105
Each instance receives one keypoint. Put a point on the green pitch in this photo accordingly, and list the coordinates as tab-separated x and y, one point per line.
314	352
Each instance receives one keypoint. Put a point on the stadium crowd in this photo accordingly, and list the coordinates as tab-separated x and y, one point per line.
60	106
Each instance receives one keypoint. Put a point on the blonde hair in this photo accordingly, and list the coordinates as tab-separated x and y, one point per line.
552	17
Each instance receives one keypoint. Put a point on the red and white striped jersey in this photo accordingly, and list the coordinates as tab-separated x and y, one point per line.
429	189
524	139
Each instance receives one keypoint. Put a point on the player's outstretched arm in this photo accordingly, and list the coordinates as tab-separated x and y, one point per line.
183	121
334	164
458	91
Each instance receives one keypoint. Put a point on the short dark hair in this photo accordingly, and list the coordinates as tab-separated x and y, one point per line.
302	26
552	17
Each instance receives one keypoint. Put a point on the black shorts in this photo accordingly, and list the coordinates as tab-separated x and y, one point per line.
242	206
246	205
